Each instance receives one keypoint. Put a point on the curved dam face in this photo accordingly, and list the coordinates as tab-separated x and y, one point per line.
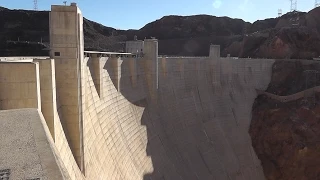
197	125
194	126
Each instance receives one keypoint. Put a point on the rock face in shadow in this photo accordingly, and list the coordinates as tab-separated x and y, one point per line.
170	27
24	28
285	136
289	77
293	35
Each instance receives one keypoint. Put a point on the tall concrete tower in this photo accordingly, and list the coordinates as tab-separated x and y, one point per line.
214	51
151	65
67	48
214	55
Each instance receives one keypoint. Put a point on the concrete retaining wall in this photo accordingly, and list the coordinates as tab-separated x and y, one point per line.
19	85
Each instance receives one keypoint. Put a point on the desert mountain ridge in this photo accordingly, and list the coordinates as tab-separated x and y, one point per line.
293	35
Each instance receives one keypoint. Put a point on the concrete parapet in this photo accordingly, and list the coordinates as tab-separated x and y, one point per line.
19	85
22	59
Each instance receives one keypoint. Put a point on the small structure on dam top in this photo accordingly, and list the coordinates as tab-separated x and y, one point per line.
135	46
106	115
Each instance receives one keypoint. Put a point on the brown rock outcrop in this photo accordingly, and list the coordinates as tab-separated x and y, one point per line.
286	136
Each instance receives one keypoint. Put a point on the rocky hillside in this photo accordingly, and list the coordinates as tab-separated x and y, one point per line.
286	136
294	35
29	27
183	35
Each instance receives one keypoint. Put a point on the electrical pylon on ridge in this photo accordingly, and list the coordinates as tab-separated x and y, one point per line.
35	5
279	12
293	5
316	3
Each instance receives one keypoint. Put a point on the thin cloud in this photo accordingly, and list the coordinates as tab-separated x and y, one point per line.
244	5
216	4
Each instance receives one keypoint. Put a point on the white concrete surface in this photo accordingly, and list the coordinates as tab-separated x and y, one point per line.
26	146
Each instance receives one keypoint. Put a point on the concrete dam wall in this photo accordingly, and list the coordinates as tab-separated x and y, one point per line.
194	126
102	116
198	128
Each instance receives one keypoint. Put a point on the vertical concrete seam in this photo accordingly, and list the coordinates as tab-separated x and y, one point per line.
38	85
79	69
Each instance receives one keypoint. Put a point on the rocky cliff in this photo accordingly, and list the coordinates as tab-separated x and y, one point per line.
285	136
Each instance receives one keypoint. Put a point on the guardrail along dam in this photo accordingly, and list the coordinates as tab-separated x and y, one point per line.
86	115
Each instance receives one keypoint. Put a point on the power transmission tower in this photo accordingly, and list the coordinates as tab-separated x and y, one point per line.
316	4
279	12
293	6
35	5
65	3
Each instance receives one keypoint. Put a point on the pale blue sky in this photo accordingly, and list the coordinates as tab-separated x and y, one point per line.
129	14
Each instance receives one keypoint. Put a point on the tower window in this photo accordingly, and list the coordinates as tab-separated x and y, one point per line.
56	53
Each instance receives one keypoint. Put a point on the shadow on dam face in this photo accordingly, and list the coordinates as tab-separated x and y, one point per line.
197	127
